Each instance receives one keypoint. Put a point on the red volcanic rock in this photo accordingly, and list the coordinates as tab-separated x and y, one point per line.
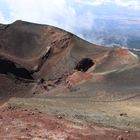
124	53
115	59
78	77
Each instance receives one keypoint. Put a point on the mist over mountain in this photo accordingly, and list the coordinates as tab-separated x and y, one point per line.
113	26
114	35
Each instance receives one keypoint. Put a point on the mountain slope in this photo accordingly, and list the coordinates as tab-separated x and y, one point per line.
46	68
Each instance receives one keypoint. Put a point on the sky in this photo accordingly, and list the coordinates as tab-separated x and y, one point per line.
84	18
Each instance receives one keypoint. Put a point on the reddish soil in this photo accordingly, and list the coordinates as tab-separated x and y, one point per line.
25	124
78	77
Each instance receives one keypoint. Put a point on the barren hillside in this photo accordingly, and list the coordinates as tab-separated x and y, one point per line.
54	85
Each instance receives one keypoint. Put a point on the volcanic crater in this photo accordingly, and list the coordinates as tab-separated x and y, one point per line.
55	85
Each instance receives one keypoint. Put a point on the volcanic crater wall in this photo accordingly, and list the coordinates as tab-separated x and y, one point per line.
35	51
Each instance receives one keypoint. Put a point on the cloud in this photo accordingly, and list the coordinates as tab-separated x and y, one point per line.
58	13
93	2
135	4
129	3
34	10
2	19
61	13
